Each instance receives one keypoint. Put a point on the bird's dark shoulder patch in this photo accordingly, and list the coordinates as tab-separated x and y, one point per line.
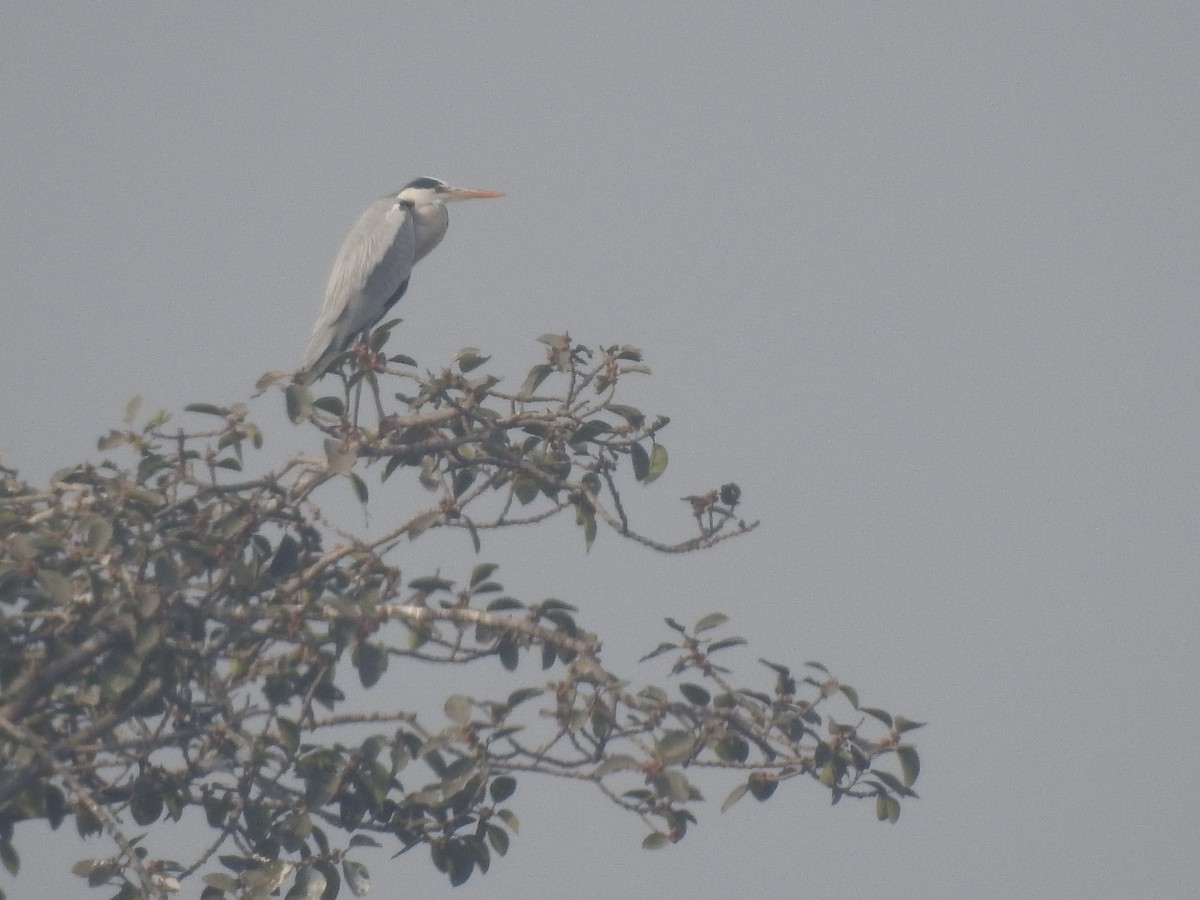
392	300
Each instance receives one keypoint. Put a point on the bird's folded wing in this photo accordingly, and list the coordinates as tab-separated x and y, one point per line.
374	263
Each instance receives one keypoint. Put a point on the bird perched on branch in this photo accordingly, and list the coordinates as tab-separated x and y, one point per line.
374	265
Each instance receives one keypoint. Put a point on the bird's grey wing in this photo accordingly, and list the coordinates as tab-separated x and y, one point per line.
370	272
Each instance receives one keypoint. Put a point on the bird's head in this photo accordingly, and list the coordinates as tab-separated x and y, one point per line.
425	190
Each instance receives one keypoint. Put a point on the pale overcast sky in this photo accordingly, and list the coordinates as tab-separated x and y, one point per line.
922	278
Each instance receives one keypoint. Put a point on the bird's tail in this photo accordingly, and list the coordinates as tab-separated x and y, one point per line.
324	363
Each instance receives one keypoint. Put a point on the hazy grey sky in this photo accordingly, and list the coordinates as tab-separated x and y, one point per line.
922	278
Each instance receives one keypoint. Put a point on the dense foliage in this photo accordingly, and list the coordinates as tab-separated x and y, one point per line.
180	637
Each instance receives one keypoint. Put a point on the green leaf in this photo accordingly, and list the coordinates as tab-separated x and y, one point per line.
379	337
780	669
299	401
586	516
287	554
526	490
724	643
131	409
86	824
418	525
887	808
220	881
878	714
629	352
509	653
393	463
269	380
371	661
320	786
655	840
117	674
695	694
10	858
510	819
429	584
659	650
360	487
910	763
631	415
113	439
618	762
675	746
86	868
146	805
735	795
641	461
851	694
468	358
589	431
332	405
458	709
498	838
893	783
461	863
56	586
56	807
502	788
482	572
762	786
658	463
534	379
500	604
206	409
732	748
673	785
902	724
520	695
311	884
712	620
592	482
289	736
358	879
296	827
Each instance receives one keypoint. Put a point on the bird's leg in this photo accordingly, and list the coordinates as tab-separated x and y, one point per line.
341	373
361	350
375	394
367	359
357	397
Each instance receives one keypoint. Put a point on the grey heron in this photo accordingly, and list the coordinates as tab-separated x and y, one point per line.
373	267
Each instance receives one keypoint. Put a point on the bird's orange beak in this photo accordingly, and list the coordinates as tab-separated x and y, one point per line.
472	194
